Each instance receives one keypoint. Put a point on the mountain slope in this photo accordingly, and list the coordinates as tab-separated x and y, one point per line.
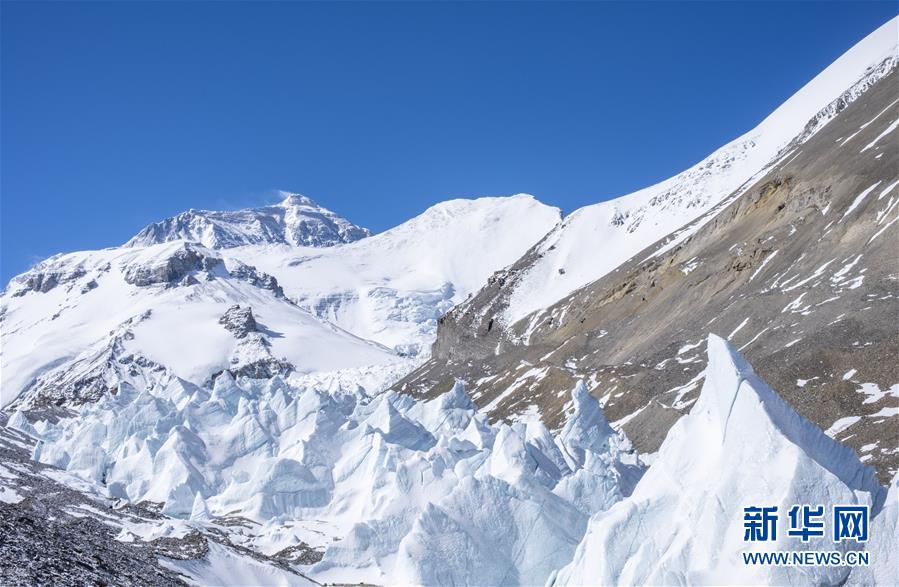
296	221
392	287
798	269
566	259
78	325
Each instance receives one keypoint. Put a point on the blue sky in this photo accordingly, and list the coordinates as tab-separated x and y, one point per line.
113	115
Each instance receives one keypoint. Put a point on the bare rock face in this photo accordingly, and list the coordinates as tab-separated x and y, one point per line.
43	281
239	321
255	277
252	357
798	272
173	268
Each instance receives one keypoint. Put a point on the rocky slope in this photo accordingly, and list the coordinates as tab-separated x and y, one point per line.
594	240
798	269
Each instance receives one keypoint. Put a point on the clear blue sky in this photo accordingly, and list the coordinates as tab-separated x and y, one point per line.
117	114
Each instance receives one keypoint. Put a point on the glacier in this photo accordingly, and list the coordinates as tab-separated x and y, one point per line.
740	446
392	288
379	484
389	490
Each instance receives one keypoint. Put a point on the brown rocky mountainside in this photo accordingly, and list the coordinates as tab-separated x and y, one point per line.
801	273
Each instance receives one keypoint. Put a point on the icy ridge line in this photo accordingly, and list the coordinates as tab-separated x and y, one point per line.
296	220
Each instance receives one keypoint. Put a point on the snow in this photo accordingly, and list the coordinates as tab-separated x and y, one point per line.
874	393
841	424
762	266
888	189
223	566
10	495
170	324
391	288
296	220
395	481
858	200
683	524
893	125
360	304
738	328
620	228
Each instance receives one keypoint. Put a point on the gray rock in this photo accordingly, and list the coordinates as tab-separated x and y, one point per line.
797	272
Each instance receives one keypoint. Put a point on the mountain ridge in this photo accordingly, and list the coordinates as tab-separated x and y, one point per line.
296	220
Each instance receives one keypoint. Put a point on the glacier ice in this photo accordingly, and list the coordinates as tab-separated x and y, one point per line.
393	478
393	490
740	446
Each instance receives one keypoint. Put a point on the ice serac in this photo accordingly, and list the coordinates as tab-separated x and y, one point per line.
381	488
882	544
296	221
741	445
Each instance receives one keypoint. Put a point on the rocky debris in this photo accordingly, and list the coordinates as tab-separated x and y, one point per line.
54	530
54	536
189	547
263	369
239	321
798	272
301	554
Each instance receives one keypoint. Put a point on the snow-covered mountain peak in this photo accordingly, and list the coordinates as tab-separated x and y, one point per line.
291	199
393	286
296	220
475	213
